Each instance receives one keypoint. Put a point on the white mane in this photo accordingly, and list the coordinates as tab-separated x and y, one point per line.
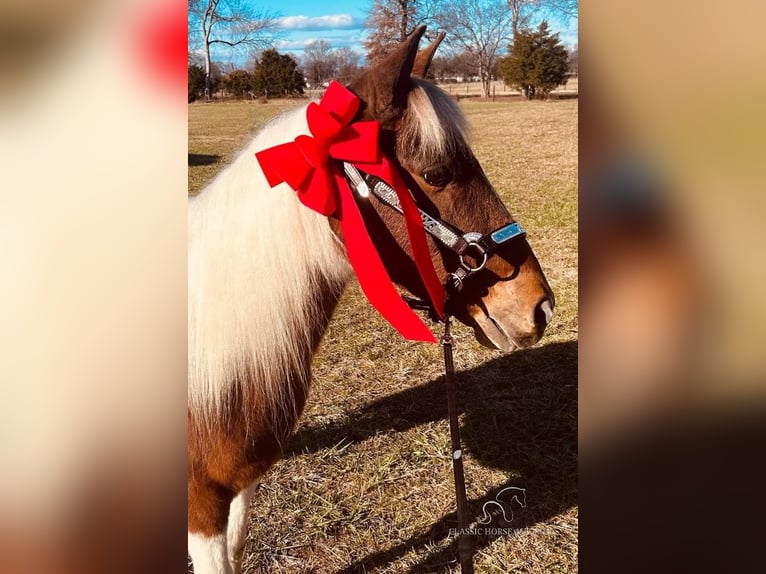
257	257
433	126
260	262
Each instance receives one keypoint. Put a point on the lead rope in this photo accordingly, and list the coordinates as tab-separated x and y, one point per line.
464	542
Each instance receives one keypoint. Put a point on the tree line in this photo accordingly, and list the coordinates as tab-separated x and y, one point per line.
272	74
478	34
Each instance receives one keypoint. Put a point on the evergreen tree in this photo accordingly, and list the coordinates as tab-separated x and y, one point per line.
196	82
238	83
277	74
537	63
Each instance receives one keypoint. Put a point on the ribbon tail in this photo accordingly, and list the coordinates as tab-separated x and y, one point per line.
420	251
373	277
416	233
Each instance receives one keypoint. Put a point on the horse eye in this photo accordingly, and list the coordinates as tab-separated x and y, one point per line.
437	176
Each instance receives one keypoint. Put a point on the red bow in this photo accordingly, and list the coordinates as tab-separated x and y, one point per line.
310	165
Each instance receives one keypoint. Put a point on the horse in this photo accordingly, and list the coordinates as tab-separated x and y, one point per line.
510	494
266	272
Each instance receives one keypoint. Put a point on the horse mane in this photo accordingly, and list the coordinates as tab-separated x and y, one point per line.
433	128
261	265
259	262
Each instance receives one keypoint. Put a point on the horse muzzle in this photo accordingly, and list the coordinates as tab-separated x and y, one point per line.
507	322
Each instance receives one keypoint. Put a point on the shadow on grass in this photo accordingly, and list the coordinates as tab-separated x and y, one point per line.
196	159
520	416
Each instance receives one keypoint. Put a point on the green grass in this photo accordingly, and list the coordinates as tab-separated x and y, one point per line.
366	482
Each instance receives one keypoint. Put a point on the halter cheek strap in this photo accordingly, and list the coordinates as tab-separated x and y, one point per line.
472	248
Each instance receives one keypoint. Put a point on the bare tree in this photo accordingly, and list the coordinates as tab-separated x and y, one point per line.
574	61
453	66
319	63
229	23
480	28
566	8
522	12
391	21
346	64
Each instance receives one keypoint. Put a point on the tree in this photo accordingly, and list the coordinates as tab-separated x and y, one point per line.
537	62
318	62
566	8
230	23
452	66
196	82
440	68
346	64
391	21
479	28
226	68
574	61
238	83
522	11
277	74
321	63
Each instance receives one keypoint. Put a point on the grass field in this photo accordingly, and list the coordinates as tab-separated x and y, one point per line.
366	483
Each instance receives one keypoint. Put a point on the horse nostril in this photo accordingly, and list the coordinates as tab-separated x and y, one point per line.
544	312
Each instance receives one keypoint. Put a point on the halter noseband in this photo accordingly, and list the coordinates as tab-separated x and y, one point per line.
477	246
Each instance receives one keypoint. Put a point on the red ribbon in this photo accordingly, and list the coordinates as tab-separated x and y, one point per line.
310	165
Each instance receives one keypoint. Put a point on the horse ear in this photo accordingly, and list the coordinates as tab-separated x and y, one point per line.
384	87
424	57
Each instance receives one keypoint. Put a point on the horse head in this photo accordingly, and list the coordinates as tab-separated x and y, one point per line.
508	302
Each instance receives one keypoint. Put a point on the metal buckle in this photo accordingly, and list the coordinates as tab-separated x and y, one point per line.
482	252
356	180
498	236
457	277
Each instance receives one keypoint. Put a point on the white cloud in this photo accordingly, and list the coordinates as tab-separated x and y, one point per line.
291	45
296	46
330	22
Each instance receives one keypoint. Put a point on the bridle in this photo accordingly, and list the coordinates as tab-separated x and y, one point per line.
466	245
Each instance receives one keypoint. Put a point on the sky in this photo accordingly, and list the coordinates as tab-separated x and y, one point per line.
341	23
338	21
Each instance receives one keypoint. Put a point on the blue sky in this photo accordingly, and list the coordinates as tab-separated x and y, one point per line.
341	23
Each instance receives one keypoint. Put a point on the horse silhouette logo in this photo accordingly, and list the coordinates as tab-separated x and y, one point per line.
503	500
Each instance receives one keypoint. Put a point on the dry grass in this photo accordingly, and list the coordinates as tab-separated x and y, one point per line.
366	483
218	129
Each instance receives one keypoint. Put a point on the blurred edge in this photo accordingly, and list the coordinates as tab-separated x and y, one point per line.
93	297
92	240
672	418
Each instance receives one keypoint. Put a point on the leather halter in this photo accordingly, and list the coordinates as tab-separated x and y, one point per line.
474	245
